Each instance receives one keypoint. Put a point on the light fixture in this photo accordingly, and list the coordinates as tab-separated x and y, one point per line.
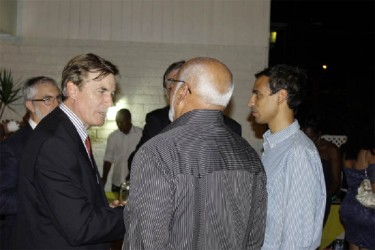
273	36
112	111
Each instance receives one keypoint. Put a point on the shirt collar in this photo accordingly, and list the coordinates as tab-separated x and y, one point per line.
273	139
32	124
198	116
78	124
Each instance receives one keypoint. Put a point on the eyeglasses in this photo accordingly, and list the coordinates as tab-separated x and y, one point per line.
48	100
171	82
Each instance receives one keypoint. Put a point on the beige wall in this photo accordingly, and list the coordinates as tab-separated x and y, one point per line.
226	22
142	38
8	16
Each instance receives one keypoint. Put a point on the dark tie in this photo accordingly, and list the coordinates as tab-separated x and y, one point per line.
88	145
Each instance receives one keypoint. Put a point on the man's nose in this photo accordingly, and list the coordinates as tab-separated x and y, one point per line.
108	100
250	104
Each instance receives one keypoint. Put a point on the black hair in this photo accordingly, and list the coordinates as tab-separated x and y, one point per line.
361	135
124	113
292	79
173	66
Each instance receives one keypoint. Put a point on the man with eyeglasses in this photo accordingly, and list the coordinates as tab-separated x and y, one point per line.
41	95
197	184
295	180
62	203
158	119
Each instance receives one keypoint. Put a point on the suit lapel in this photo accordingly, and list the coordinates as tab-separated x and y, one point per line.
73	133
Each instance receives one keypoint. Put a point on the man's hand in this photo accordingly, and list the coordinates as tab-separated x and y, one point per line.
117	203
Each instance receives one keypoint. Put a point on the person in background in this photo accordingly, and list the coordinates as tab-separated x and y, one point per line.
330	157
295	180
41	95
158	119
61	201
120	144
197	184
358	161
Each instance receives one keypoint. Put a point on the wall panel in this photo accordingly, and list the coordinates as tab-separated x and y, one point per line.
224	22
142	38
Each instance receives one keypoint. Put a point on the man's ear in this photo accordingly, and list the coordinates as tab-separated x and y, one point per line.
184	90
29	105
282	95
71	90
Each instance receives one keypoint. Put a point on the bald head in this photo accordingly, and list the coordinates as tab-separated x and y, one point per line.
202	83
210	79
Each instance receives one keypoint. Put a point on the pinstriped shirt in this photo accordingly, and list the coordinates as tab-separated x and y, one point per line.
78	124
296	190
196	185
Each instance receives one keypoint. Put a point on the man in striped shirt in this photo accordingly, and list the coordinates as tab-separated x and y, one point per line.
197	184
295	180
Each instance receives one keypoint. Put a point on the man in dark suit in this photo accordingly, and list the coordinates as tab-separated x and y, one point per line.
62	204
41	95
158	119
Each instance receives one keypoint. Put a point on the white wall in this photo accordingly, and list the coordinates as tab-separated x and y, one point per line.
142	38
226	22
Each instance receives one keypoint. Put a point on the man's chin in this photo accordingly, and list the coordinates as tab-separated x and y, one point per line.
258	120
98	122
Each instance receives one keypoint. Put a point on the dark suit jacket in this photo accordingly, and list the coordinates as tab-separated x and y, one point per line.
62	204
10	153
158	119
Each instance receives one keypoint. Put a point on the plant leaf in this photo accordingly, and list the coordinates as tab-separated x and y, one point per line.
9	91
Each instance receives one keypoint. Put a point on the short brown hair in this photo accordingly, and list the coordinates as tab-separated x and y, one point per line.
79	67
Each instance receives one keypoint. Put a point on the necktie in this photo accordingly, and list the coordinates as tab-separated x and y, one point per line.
88	145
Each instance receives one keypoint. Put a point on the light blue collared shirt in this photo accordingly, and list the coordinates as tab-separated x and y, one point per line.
296	190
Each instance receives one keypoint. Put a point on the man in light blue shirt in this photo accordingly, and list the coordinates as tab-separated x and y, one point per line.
295	180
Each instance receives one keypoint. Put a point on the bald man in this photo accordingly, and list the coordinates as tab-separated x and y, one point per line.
197	184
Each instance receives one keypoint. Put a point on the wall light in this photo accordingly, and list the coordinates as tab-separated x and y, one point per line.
112	111
324	66
273	37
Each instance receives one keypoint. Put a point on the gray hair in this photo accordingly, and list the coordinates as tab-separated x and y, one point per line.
29	90
213	96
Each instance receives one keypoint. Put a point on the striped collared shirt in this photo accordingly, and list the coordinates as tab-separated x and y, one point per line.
196	185
78	124
296	190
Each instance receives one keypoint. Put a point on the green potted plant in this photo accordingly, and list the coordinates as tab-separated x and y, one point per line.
9	91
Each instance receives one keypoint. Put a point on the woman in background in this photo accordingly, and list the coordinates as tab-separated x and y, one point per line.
330	156
358	158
